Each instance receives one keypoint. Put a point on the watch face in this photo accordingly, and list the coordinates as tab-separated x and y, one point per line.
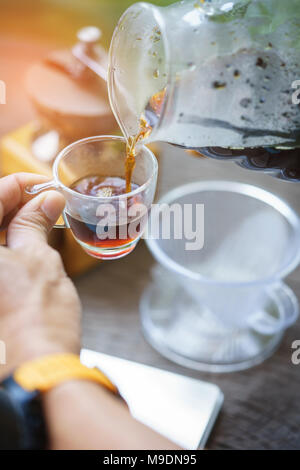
10	434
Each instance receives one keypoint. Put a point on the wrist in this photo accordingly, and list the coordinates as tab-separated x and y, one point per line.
24	348
32	393
85	397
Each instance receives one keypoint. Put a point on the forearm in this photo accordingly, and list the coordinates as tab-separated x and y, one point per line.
82	415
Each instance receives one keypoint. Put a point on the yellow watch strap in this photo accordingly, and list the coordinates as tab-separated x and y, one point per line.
46	372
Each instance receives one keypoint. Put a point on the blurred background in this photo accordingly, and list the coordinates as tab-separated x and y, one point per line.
57	21
29	29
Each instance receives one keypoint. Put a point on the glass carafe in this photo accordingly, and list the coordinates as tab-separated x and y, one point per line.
216	76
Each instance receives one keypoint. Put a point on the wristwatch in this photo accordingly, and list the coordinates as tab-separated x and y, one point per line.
22	423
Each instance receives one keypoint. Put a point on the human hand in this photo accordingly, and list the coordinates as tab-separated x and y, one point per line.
39	306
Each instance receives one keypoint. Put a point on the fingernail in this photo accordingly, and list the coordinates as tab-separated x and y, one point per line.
53	205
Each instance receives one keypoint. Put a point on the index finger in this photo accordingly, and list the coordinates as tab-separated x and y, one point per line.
12	191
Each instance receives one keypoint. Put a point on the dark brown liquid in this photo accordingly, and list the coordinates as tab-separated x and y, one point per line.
101	186
284	163
116	235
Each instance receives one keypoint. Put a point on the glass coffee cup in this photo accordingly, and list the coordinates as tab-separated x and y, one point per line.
105	220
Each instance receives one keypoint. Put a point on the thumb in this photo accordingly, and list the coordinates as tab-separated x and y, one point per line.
34	220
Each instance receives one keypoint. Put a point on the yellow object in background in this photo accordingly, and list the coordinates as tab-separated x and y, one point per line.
16	152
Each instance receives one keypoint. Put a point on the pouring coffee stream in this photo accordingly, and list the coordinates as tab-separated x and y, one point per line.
132	142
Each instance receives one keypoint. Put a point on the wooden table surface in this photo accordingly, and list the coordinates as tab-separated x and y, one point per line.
262	405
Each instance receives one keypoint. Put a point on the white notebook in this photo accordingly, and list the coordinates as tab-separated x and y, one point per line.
178	407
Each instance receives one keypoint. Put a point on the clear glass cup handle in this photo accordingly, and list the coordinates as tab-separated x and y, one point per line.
267	325
39	188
